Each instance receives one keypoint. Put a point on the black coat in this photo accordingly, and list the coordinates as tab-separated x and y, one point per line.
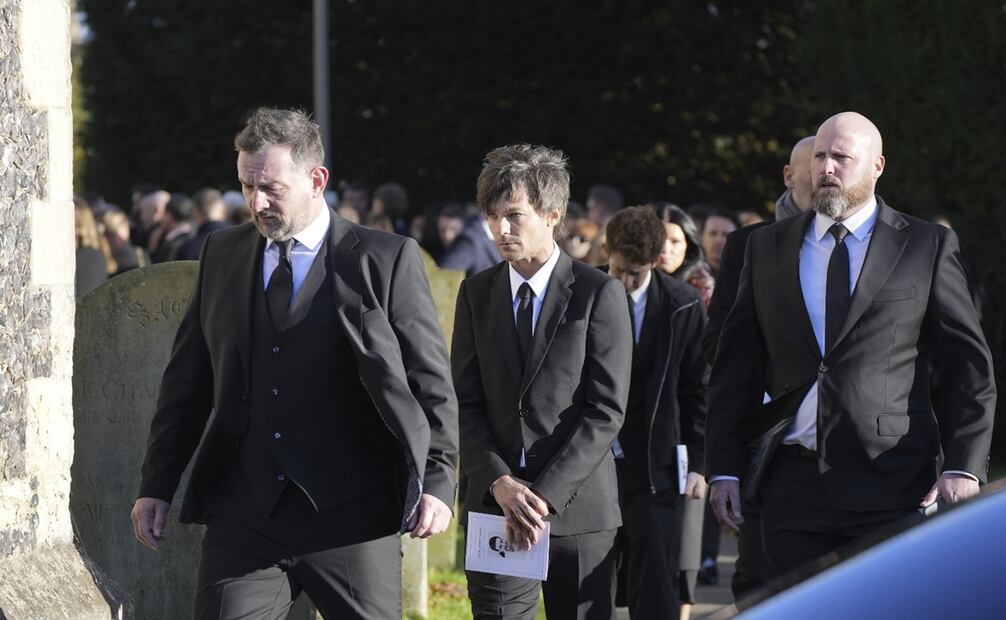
673	389
879	445
387	312
564	410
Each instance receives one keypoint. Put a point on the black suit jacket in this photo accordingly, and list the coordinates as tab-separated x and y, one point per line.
563	410
725	292
879	445
387	312
672	409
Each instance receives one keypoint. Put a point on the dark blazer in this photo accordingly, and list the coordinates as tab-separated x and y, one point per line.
473	251
564	409
731	262
190	249
673	409
879	445
387	312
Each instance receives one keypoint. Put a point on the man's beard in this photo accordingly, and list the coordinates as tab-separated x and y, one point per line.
835	204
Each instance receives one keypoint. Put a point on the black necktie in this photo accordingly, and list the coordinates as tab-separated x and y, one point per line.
632	316
525	310
280	289
837	296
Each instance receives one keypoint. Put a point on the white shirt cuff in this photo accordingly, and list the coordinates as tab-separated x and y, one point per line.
962	473
716	479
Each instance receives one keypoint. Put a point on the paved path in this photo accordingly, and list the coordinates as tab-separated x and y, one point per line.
712	598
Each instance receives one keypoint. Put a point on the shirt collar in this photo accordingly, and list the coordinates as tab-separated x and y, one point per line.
640	292
313	234
539	281
859	225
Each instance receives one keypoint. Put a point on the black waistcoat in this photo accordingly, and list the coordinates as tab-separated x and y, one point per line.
311	422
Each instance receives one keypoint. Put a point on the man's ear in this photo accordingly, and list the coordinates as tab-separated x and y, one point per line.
878	166
787	177
319	180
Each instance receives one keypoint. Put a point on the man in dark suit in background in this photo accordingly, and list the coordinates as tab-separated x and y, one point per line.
541	356
838	314
316	342
666	407
751	570
473	250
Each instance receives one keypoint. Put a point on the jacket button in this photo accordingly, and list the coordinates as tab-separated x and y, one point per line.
281	477
823	369
523	413
244	397
277	435
275	392
275	349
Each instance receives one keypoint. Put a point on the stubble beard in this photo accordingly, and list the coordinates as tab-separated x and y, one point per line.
835	204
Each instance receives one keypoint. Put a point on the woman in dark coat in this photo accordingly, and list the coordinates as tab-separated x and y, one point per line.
682	258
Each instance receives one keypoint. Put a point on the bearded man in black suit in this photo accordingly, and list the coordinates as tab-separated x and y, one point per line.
838	315
317	344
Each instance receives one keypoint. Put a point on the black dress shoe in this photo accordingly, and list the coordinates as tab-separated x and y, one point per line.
709	574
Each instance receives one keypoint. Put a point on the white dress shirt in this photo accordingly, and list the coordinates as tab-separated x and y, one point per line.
815	253
303	253
539	286
538	283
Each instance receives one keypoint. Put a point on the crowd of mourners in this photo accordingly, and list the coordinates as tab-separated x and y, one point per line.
163	226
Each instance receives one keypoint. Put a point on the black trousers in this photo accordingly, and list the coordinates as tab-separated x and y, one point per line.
751	570
798	521
580	585
651	536
247	574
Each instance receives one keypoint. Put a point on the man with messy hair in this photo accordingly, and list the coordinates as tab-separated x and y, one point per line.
541	355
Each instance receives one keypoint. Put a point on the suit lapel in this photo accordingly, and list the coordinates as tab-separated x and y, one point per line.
248	275
501	300
886	247
552	309
789	240
344	257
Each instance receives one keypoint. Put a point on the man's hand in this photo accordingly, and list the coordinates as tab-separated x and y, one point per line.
149	516
953	488
695	486
432	517
725	497
523	510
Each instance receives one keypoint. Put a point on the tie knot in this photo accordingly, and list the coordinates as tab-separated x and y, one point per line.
838	231
285	247
525	293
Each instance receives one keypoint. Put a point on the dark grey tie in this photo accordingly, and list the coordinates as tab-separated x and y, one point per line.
280	289
525	314
837	300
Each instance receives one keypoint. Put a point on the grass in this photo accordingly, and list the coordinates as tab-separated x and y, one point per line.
449	597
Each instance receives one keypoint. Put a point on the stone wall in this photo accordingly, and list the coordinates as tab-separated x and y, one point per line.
43	576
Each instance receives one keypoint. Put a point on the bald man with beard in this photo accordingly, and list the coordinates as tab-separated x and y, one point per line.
838	315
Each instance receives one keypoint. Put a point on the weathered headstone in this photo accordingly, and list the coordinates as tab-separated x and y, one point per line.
124	333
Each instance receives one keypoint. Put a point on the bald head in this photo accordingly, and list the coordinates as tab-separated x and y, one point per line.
847	161
796	174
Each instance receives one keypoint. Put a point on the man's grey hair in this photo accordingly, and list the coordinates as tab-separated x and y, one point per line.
538	171
268	127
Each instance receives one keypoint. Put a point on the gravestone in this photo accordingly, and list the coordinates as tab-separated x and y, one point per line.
124	332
